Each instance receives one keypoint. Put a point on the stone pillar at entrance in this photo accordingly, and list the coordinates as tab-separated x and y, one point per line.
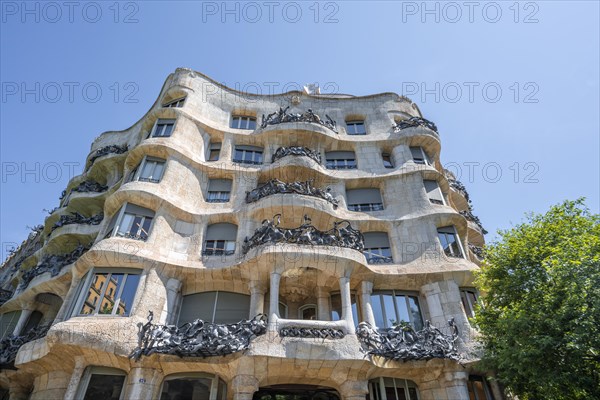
243	387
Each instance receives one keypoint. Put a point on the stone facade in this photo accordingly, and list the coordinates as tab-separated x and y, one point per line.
170	246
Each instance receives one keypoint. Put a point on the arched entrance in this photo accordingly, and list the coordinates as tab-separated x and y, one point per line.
296	392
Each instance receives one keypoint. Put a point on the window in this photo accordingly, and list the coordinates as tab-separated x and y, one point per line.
356	128
248	155
220	239
340	160
133	222
215	307
177	103
419	156
32	322
387	160
240	122
8	323
336	307
392	389
392	307
469	300
218	190
364	200
101	383
163	128
150	170
308	312
214	151
479	388
377	248
114	296
197	386
434	193
449	240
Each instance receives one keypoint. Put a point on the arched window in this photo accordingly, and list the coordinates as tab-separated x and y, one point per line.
220	239
377	248
393	389
101	383
217	307
196	386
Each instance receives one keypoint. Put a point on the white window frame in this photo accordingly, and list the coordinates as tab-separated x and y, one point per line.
378	251
238	119
226	252
84	288
394	294
142	165
218	196
424	156
119	221
470	312
176	103
97	370
341	163
381	388
354	124
254	156
306	307
457	238
161	121
214	386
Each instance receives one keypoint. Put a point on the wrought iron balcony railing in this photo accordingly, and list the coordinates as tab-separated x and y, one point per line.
77	218
341	235
402	342
414	122
113	148
197	338
275	186
10	345
282	116
468	214
298	151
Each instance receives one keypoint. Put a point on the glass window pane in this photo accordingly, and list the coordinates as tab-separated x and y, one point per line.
108	301
89	304
336	307
377	310
125	224
128	294
158	170
186	388
415	313
390	313
104	387
252	124
402	309
309	313
147	169
168	130
232	308
239	155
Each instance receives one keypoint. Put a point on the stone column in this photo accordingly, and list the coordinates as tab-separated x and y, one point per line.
25	314
324	313
78	370
366	289
257	298
347	304
142	383
274	300
443	302
173	287
243	387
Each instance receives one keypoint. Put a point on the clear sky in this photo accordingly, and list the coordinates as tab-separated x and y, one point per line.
513	87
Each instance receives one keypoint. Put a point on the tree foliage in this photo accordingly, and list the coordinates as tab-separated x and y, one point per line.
540	314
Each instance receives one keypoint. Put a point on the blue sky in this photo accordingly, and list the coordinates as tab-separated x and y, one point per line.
513	87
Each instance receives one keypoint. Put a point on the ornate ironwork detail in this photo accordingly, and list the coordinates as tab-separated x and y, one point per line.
10	345
305	234
459	187
282	116
197	338
5	295
76	218
318	333
379	260
402	342
275	186
113	148
53	263
296	151
468	214
413	123
478	251
90	186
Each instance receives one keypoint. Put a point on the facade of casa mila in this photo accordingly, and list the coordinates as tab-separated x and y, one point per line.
236	246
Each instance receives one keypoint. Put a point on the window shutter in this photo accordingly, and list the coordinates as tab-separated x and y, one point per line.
219	185
340	155
138	210
249	148
376	239
197	306
222	231
433	190
232	307
447	229
363	196
417	152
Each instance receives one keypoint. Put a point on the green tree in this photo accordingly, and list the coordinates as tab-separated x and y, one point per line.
540	314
